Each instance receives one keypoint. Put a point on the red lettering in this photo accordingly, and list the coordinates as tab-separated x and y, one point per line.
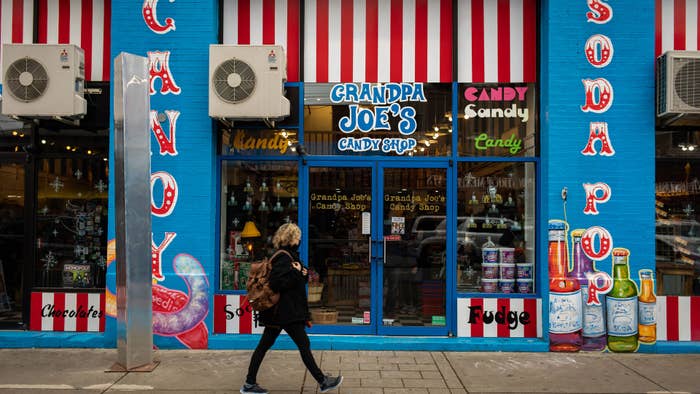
166	143
157	253
598	132
160	68
599	50
588	240
595	193
599	95
599	12
170	193
149	16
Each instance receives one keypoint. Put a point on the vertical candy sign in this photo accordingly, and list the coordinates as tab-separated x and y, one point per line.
591	307
181	242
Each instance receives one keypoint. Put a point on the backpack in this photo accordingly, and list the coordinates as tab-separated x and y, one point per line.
260	295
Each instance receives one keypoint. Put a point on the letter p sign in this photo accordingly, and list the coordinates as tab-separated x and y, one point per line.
595	193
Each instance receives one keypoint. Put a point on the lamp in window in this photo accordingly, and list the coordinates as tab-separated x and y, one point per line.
249	231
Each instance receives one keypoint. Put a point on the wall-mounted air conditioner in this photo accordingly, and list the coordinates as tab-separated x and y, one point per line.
43	80
678	83
247	82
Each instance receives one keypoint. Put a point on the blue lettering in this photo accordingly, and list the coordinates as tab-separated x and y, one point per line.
347	123
394	92
407	89
407	125
337	95
378	94
365	120
381	118
418	94
365	92
351	92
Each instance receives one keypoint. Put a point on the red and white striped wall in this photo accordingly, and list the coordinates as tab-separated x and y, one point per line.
476	317
59	311
233	315
677	25
378	41
497	41
678	318
16	22
265	22
85	23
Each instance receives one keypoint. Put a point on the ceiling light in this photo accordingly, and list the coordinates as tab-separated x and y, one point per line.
436	128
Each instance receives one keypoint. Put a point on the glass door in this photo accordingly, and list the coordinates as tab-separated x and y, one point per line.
339	240
413	234
12	241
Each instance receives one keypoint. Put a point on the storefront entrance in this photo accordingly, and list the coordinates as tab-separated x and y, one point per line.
12	239
377	239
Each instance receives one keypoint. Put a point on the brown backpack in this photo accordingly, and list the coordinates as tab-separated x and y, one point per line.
260	295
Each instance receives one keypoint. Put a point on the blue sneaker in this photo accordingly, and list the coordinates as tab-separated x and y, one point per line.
252	389
330	382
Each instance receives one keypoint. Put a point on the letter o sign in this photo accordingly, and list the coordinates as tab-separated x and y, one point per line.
169	197
599	50
588	243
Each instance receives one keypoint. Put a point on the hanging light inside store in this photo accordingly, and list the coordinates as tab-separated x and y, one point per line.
250	230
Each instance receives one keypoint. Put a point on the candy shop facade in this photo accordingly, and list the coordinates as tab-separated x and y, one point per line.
467	174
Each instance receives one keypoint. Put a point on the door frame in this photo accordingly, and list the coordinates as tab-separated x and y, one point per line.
378	233
377	165
27	269
364	329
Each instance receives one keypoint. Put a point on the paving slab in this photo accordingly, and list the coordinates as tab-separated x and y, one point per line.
63	368
546	372
220	370
679	373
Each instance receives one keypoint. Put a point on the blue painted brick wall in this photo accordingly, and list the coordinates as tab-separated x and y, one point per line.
629	214
193	219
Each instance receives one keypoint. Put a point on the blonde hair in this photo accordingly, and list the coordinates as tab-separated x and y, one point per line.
286	235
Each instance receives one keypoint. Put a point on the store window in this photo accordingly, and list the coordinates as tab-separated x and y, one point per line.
678	212
256	198
495	227
497	120
394	119
71	221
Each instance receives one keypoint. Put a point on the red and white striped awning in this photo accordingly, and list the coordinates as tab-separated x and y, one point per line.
85	23
677	25
378	41
265	22
497	41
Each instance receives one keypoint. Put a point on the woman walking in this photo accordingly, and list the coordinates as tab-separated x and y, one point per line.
291	313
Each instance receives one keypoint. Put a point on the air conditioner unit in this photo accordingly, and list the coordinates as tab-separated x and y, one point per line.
247	82
678	83
41	80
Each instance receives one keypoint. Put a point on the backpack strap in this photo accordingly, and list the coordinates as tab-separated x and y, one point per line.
278	252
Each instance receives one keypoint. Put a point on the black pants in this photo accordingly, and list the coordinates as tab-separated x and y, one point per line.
297	332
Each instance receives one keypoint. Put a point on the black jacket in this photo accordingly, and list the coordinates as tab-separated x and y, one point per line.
293	305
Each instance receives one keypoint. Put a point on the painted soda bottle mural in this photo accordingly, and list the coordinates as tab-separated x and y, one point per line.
647	308
593	314
564	295
622	306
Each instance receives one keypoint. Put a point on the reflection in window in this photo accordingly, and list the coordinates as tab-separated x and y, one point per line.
495	227
72	223
678	213
256	198
433	122
257	142
497	120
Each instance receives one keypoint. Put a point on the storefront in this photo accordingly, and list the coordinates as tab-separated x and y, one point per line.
438	157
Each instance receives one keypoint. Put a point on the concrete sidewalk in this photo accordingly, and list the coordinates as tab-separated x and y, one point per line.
191	371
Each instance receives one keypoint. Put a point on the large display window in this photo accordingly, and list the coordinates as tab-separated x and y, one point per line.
495	227
256	198
678	213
